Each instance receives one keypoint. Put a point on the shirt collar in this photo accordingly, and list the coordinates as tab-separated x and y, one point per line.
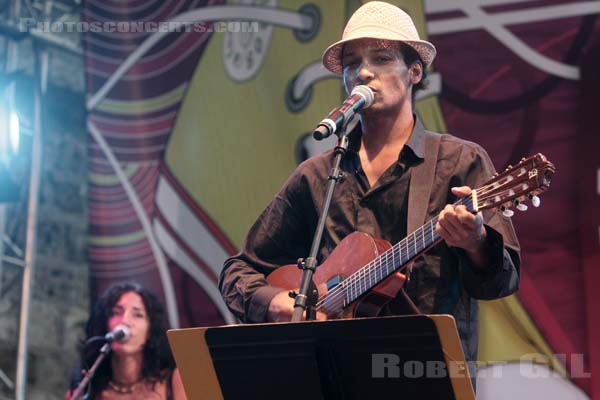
415	142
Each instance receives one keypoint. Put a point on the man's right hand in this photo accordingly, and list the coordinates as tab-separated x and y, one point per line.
281	309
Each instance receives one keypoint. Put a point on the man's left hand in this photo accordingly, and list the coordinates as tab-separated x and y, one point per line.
460	228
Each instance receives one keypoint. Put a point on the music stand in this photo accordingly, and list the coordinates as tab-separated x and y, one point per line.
404	356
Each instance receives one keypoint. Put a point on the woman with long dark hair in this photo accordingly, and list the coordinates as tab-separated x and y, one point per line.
140	367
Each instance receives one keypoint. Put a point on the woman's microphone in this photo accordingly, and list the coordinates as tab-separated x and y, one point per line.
119	334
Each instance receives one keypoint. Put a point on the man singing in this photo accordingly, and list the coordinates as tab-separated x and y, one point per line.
393	172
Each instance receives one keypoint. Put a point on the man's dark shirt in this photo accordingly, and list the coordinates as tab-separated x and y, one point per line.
442	281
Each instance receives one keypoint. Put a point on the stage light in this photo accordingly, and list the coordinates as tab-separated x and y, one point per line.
10	138
14	132
10	133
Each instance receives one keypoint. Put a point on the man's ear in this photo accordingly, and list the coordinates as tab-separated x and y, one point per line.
415	73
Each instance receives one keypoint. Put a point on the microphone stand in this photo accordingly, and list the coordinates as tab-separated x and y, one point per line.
104	351
303	300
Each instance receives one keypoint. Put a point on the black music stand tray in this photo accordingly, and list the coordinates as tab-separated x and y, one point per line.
407	357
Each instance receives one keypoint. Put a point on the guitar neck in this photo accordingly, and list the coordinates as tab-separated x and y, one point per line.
393	259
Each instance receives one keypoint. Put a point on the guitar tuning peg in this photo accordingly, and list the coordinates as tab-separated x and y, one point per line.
509	167
508	213
520	206
535	201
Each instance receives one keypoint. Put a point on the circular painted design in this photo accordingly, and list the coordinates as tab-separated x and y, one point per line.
244	51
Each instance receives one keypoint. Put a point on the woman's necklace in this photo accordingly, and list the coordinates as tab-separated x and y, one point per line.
123	388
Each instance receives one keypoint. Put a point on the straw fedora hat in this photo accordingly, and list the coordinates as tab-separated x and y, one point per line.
378	20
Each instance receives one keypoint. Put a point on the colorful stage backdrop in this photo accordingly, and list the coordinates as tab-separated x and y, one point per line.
195	123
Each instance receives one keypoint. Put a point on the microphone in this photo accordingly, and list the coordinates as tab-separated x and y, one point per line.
119	334
361	97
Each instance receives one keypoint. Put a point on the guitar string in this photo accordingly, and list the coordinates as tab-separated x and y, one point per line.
492	186
355	285
355	282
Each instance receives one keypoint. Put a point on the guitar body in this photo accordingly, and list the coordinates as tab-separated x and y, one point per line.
354	252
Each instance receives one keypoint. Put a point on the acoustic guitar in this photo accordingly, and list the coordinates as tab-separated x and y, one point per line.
364	273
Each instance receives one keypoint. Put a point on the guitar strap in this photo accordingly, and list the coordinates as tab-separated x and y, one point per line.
419	192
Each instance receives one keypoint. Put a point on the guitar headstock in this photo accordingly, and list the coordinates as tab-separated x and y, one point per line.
517	184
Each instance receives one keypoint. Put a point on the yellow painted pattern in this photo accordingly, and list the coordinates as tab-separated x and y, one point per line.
507	333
